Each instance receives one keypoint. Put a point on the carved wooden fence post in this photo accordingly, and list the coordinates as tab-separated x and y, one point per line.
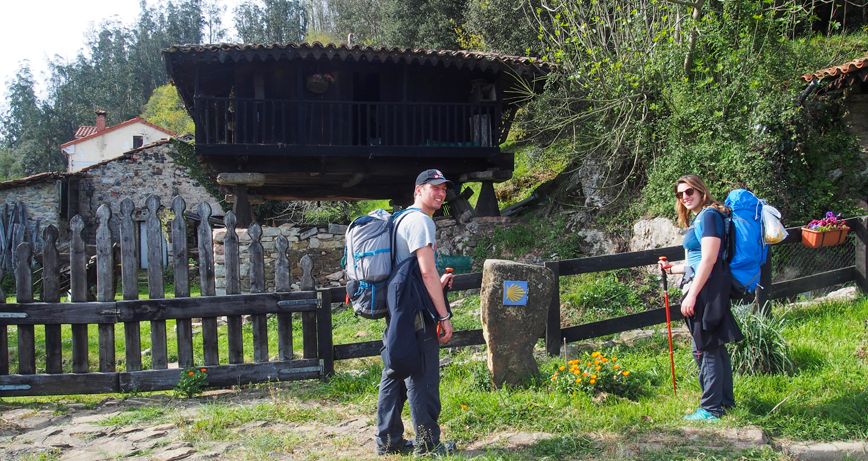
308	319
78	291
232	264
130	284
51	294
183	327
257	285
24	294
156	289
282	283
105	288
206	280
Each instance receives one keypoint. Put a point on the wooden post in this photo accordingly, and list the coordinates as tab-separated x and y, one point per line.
130	284
183	327
762	294
324	333
232	265
156	289
282	283
257	285
308	319
486	204
553	320
241	207
860	228
24	294
78	291
105	287
206	280
51	294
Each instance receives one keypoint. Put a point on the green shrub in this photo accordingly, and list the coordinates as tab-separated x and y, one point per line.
192	382
763	349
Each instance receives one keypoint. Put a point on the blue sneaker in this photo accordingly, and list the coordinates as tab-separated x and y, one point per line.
701	414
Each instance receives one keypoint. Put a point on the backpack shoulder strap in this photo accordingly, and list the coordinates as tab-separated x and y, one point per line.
395	220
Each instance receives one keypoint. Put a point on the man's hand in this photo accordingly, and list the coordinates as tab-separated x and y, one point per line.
446	280
444	328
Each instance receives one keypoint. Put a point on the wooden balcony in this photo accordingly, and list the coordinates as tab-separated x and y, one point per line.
267	127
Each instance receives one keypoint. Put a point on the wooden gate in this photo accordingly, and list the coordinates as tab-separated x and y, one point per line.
63	365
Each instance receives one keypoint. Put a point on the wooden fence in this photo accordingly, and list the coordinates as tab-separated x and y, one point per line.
107	312
314	307
555	335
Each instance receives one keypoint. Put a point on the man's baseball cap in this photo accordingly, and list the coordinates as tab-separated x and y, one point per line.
432	176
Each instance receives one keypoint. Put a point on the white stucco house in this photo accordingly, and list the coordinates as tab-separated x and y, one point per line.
94	144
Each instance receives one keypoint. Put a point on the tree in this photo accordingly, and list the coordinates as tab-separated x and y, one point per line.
165	109
23	108
505	26
214	31
362	18
271	21
423	23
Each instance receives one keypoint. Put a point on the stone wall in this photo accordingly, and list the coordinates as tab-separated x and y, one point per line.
139	173
41	198
325	245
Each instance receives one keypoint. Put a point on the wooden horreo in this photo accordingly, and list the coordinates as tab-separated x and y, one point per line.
321	122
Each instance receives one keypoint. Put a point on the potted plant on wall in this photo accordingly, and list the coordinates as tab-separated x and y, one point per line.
826	232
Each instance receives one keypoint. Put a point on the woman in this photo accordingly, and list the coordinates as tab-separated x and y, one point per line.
706	285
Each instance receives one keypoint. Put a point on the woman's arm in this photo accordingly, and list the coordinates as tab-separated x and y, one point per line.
710	248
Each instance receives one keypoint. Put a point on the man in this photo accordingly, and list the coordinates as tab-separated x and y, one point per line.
415	236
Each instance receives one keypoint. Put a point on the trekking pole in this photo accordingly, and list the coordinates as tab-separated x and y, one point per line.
665	284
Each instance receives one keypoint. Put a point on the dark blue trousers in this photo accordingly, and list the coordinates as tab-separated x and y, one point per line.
715	379
422	389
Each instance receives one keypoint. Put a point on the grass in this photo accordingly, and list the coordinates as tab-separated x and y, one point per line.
823	398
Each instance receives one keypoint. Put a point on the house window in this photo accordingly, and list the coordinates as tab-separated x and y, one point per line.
137	142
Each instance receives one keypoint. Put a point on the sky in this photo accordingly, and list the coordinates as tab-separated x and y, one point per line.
39	30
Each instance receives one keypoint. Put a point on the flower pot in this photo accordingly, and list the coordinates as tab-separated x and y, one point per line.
814	239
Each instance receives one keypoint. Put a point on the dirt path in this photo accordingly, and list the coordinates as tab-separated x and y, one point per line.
262	424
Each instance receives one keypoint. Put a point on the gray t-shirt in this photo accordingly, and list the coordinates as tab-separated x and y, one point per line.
415	230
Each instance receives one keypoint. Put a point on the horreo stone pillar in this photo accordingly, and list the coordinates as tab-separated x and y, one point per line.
515	298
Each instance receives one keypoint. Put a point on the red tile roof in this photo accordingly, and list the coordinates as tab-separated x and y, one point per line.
85	130
95	133
842	75
343	52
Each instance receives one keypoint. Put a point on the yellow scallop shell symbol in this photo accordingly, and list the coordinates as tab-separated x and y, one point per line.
515	292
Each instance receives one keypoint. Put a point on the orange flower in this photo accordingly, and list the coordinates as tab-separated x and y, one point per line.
562	368
585	373
625	373
594	377
604	359
614	359
595	354
597	368
190	373
593	381
578	380
203	370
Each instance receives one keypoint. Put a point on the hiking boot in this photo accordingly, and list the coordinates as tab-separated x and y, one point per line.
441	449
403	447
701	414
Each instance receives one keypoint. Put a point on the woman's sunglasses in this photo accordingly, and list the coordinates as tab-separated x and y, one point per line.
688	192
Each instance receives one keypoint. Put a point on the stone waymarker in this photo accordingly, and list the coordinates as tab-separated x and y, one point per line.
514	299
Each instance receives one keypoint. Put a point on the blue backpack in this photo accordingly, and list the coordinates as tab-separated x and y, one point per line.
744	251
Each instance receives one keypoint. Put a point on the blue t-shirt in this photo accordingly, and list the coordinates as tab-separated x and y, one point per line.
708	223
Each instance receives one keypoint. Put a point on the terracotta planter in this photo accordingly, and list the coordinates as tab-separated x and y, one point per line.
814	239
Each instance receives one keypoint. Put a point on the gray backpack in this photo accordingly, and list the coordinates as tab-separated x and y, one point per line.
369	259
